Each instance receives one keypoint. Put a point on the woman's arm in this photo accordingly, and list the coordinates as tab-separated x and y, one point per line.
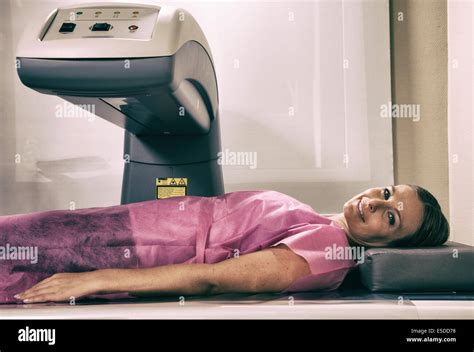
269	270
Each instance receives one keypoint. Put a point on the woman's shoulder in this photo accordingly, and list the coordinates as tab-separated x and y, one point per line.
275	205
264	194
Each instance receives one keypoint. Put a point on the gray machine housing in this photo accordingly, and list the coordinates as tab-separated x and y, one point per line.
167	104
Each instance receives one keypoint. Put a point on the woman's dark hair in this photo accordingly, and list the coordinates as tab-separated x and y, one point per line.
434	229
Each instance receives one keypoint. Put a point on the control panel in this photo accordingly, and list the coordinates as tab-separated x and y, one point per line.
103	22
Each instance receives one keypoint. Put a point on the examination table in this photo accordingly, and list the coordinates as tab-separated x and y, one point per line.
391	283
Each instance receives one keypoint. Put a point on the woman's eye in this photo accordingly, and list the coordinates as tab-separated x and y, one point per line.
386	193
391	219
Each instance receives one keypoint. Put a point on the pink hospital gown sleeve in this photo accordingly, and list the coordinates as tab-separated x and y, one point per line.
318	244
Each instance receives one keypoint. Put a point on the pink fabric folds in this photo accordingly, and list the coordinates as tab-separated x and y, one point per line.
175	230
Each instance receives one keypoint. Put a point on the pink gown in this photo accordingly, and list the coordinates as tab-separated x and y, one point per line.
174	230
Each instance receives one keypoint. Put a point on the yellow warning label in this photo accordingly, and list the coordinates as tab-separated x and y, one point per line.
171	187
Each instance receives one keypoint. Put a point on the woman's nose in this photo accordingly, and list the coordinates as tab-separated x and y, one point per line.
374	204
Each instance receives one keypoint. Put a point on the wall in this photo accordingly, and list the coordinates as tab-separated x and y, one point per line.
460	119
7	112
419	76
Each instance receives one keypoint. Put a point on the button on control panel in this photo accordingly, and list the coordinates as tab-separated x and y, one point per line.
67	27
101	27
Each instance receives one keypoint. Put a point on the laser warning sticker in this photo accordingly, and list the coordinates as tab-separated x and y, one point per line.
171	187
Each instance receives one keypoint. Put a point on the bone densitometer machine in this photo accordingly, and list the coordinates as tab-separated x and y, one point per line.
147	69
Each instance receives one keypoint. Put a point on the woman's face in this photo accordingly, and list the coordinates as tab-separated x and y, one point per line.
379	215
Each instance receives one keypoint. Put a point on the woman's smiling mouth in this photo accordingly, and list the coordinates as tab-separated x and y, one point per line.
359	208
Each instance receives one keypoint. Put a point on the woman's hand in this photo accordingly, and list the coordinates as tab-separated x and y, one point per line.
63	287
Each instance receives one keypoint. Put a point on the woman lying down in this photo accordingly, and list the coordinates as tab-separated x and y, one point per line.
249	241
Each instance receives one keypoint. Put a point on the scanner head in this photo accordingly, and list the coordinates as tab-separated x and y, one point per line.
147	69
